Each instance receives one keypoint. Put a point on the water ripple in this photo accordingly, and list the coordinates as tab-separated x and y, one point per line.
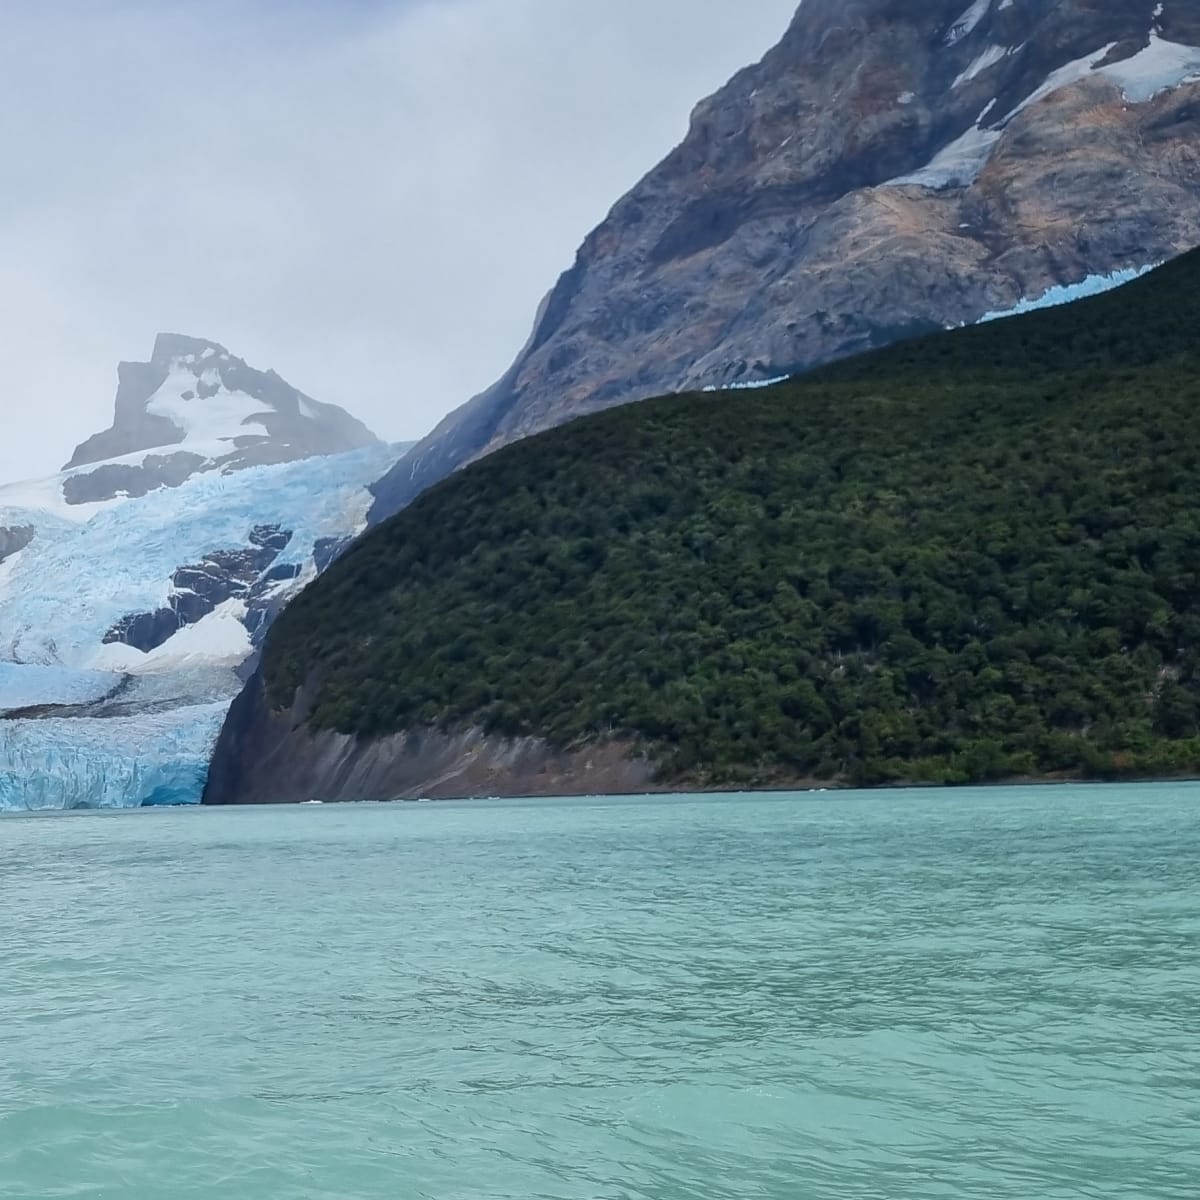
977	995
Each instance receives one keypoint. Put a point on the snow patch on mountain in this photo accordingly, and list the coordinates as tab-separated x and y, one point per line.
965	25
219	639
956	164
989	58
45	498
214	415
1161	66
195	407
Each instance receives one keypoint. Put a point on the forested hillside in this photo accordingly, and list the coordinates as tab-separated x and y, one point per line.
971	556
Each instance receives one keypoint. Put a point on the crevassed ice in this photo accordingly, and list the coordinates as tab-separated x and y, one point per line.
27	686
120	762
74	582
87	569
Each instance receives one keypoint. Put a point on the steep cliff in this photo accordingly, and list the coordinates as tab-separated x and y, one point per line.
888	168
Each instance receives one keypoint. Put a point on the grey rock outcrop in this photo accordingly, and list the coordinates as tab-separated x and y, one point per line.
888	168
15	539
247	573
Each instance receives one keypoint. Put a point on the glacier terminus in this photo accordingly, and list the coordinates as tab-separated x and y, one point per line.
136	584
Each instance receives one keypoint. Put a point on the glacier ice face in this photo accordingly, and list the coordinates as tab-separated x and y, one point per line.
116	727
1093	285
115	762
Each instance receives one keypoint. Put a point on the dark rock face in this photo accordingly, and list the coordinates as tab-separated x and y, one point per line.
200	588
182	377
782	233
326	551
114	479
13	541
270	758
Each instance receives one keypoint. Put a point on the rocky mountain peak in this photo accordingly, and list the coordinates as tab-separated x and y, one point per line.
195	407
171	346
889	167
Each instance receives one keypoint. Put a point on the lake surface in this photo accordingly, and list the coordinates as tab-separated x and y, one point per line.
990	994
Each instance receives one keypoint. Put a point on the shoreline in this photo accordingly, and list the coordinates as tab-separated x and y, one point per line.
830	790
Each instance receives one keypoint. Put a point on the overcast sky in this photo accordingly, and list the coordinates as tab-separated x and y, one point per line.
370	196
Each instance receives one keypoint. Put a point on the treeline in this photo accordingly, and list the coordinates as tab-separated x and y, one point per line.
972	556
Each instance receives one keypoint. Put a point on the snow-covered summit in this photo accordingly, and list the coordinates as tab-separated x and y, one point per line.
195	407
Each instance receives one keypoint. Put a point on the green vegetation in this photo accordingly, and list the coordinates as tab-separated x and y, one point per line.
971	556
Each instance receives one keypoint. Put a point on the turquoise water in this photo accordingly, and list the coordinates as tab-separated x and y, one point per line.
965	994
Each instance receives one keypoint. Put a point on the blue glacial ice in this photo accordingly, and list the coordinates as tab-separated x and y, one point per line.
1093	285
118	762
139	729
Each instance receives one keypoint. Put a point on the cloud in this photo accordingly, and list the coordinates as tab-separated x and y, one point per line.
370	196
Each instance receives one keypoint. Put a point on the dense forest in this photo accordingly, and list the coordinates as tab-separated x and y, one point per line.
971	556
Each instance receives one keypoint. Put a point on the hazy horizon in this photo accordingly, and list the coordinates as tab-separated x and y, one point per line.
370	198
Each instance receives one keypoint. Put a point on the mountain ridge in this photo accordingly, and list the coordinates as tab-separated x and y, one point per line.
806	215
203	409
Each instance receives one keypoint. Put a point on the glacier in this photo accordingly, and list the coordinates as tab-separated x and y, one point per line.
117	762
1053	297
89	722
1092	285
